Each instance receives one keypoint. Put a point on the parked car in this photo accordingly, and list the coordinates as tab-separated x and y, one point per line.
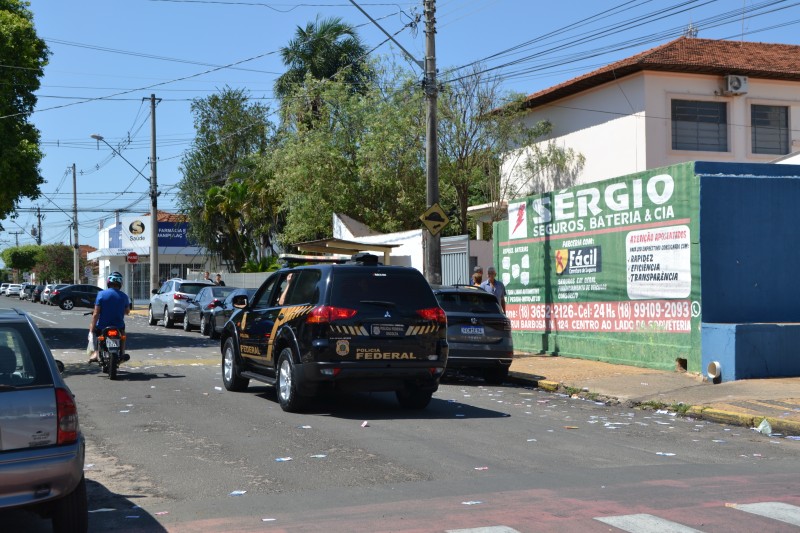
43	449
478	333
198	309
45	293
27	290
36	295
13	289
3	287
74	296
222	312
48	294
169	302
360	326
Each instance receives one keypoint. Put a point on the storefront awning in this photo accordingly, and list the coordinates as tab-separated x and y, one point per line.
347	248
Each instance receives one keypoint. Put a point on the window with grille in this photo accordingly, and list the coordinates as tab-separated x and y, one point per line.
700	126
769	129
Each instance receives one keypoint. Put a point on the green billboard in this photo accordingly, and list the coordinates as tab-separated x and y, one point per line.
607	270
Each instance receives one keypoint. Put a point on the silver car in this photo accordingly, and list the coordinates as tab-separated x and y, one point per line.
170	301
42	448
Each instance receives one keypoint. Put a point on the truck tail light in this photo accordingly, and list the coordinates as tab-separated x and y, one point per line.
323	314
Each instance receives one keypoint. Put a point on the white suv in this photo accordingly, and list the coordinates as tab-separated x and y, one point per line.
169	302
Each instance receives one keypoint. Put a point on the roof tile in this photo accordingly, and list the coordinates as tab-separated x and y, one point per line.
692	56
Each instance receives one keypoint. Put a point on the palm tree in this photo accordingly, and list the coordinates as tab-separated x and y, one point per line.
324	49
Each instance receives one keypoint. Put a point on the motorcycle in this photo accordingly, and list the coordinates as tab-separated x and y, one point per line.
109	350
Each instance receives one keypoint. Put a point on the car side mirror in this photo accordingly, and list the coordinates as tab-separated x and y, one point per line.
154	291
239	301
60	366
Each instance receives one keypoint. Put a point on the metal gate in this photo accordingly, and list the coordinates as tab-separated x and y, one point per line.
456	267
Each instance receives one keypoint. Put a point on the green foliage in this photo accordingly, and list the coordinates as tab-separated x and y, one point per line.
23	56
324	49
361	155
222	189
265	264
478	127
22	258
352	141
54	262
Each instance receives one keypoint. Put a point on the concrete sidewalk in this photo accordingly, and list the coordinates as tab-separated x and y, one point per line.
745	402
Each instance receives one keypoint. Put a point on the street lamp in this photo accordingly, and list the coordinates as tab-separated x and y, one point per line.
153	212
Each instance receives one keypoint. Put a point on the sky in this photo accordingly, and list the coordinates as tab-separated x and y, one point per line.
109	56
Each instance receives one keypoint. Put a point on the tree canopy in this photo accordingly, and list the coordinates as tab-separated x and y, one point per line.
353	142
217	174
23	56
325	49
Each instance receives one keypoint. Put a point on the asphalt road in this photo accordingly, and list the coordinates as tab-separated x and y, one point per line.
169	448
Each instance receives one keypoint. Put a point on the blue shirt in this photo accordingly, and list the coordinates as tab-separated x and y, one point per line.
499	290
113	303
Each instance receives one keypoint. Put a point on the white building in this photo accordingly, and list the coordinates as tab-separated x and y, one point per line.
127	239
686	100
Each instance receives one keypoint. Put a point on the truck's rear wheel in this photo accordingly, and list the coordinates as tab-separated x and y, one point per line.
286	384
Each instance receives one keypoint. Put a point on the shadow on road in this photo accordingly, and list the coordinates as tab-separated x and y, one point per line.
126	515
122	514
381	406
76	339
123	374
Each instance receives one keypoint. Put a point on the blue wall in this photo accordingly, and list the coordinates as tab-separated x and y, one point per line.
749	245
752	351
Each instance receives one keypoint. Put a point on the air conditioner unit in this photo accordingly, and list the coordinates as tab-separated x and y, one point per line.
735	84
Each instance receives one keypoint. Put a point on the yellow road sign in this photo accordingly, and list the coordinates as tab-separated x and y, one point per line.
434	219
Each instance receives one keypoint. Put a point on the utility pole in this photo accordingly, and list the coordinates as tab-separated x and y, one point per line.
432	244
432	264
37	233
16	235
154	281
76	253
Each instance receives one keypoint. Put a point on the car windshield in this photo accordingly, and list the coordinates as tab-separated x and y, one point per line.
473	302
400	288
21	362
222	292
190	288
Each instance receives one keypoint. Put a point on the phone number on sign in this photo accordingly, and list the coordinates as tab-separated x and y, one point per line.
667	316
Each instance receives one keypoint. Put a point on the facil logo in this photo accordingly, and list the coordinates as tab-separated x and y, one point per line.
578	260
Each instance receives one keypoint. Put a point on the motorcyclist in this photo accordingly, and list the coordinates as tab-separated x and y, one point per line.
110	309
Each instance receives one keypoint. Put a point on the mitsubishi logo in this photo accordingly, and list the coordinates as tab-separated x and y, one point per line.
387	315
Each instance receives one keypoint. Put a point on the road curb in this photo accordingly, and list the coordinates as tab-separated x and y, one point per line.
779	425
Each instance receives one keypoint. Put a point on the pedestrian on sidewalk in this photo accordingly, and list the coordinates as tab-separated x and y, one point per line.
219	281
495	286
477	276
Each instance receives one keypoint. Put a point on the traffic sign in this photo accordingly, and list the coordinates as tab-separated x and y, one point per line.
434	219
132	257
